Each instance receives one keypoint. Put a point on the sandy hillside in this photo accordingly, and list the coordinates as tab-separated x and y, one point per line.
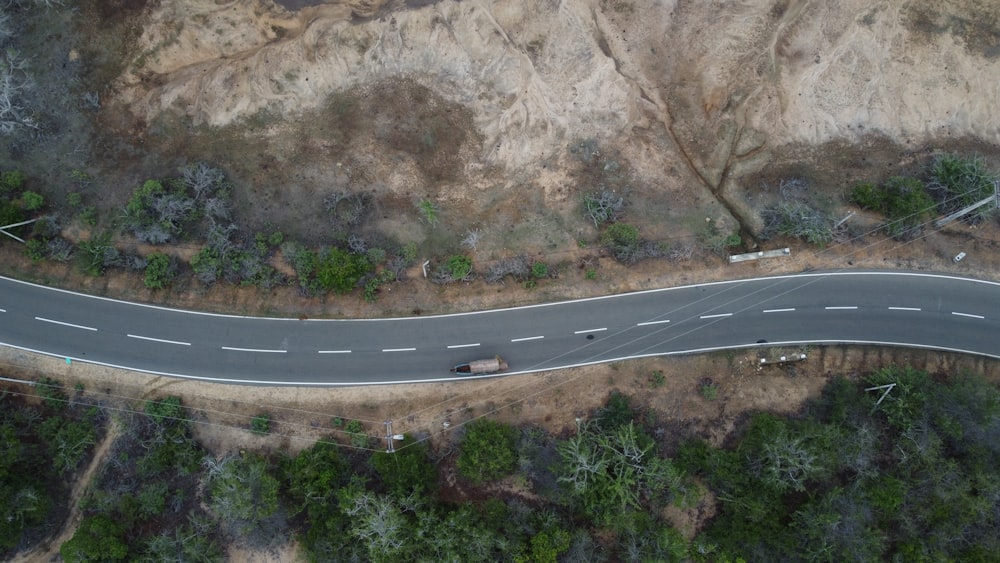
694	91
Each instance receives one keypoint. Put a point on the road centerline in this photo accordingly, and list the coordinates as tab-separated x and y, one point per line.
261	350
71	325
526	339
968	315
151	339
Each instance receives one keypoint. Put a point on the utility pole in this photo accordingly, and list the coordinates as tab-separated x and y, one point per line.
884	395
390	438
4	228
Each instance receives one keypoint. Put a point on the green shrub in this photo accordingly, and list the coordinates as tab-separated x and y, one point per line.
159	271
339	271
11	181
622	240
165	411
868	196
459	267
261	424
51	392
356	431
32	201
964	181
539	270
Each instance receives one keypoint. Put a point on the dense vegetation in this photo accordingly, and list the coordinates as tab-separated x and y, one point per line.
911	475
914	478
40	448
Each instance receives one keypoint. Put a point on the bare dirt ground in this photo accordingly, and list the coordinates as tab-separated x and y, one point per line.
505	113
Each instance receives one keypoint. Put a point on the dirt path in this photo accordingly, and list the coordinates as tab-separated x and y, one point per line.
49	550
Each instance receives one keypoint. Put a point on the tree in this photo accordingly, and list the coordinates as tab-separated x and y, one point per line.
488	451
98	538
243	492
155	214
408	469
191	542
377	521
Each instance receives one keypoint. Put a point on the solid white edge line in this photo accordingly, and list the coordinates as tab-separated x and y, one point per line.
158	340
647	323
469	378
904	308
778	310
398	349
968	315
44	320
528	338
720	315
591	330
840	308
535	306
463	345
333	351
263	351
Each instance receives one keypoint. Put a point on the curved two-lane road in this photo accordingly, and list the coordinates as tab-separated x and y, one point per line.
898	308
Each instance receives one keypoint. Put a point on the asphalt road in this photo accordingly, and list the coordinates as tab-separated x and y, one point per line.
894	308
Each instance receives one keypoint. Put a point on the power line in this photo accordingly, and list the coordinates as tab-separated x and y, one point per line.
896	244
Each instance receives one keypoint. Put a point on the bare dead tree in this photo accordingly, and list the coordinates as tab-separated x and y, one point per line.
472	239
603	207
14	82
518	267
203	179
357	244
681	252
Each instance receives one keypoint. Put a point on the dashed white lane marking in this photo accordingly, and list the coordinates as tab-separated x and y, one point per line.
591	330
528	338
333	351
398	349
3	310
840	308
647	323
464	345
263	351
151	339
720	315
904	308
968	315
779	310
44	320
